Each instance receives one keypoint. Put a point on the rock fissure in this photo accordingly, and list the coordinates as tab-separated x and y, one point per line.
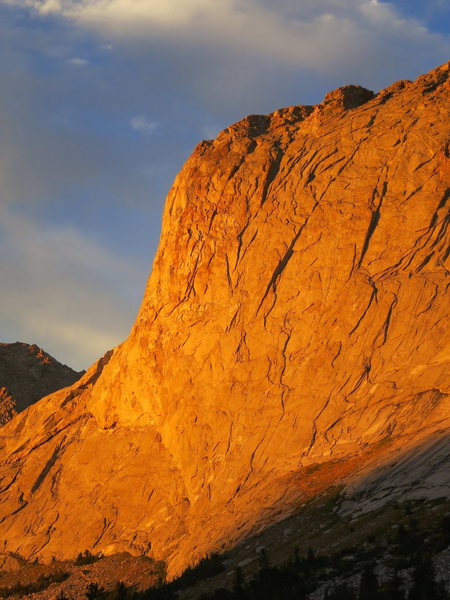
48	465
271	175
273	282
374	220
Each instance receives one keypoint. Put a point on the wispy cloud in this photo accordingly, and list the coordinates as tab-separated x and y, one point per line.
78	62
143	124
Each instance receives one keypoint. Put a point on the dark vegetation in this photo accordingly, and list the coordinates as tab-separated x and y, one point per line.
404	558
86	558
394	564
341	577
208	567
42	583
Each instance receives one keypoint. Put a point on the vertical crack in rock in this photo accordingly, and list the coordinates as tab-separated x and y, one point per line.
252	458
249	244
249	150
227	263
285	388
272	285
364	375
387	322
239	238
105	526
373	296
48	465
374	219
230	437
314	425
190	285
271	174
213	216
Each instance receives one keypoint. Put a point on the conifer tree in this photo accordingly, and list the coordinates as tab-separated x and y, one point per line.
94	592
424	586
368	585
263	560
393	590
238	583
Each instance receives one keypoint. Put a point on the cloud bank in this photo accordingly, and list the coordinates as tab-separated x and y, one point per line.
306	34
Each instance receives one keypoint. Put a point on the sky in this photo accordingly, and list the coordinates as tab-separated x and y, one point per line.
101	102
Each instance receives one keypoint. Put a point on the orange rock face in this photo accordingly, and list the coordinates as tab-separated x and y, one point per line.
27	373
296	314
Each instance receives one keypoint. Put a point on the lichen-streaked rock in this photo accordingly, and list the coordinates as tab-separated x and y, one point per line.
296	314
27	373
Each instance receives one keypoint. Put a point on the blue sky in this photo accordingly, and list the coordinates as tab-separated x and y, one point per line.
103	100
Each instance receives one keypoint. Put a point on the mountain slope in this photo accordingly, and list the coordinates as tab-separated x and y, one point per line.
295	315
27	373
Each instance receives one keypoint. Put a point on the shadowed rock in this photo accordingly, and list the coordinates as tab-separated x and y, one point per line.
27	374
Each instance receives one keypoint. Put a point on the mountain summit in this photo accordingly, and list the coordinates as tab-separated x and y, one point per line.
27	373
295	317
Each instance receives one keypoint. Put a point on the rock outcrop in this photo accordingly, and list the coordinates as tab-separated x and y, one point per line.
296	315
27	374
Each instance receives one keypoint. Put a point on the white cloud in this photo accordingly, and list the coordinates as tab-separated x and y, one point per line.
143	124
325	35
318	35
78	62
48	6
217	51
122	11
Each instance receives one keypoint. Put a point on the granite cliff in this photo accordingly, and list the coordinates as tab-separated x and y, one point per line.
28	373
292	337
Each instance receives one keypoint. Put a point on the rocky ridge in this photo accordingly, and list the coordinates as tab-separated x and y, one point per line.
27	374
294	320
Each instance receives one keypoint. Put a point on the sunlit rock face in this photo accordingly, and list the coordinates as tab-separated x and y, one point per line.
27	373
295	314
